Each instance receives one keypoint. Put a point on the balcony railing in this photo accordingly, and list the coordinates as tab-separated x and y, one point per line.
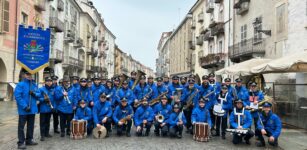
60	5
56	23
89	68
40	5
246	50
56	56
242	6
213	60
217	29
209	6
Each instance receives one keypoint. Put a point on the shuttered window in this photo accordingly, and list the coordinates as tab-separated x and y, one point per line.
6	16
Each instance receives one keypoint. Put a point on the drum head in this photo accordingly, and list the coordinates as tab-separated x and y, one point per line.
100	133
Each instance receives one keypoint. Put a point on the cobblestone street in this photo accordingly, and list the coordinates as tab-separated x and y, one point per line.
8	129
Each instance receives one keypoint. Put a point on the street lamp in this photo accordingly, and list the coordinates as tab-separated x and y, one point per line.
256	22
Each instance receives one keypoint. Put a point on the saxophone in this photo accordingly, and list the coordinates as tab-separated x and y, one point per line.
146	96
157	99
190	99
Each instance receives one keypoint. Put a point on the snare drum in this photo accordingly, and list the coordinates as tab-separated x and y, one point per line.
218	111
78	129
201	132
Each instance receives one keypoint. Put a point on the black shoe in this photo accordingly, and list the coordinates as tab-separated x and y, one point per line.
56	131
108	135
68	133
22	146
216	134
179	136
146	133
260	144
223	137
62	134
157	133
42	138
247	142
48	136
31	143
128	134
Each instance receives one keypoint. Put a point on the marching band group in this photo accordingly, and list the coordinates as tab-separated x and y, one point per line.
169	106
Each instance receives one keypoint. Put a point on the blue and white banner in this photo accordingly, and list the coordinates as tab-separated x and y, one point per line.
33	48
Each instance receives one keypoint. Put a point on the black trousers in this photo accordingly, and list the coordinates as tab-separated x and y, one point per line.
212	116
175	129
44	123
22	121
221	121
238	138
55	116
124	127
158	127
147	126
65	120
107	125
261	139
188	115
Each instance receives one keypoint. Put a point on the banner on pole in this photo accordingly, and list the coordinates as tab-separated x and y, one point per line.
33	48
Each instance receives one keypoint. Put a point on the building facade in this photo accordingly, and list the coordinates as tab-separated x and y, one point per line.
179	52
162	62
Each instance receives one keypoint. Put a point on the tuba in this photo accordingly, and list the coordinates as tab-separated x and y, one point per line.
123	77
138	78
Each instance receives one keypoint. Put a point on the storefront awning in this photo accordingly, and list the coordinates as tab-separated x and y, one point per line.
293	63
243	68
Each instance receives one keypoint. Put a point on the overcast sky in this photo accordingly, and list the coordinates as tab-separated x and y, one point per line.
138	24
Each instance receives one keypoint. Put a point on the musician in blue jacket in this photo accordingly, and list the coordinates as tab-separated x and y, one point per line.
255	96
85	113
242	92
143	118
153	86
225	100
84	93
270	125
173	86
122	117
164	110
242	120
132	79
190	92
97	89
65	96
176	121
110	90
102	113
127	93
201	114
26	95
216	85
47	106
142	90
206	90
55	113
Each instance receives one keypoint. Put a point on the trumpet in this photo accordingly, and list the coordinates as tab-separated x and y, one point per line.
160	118
66	97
